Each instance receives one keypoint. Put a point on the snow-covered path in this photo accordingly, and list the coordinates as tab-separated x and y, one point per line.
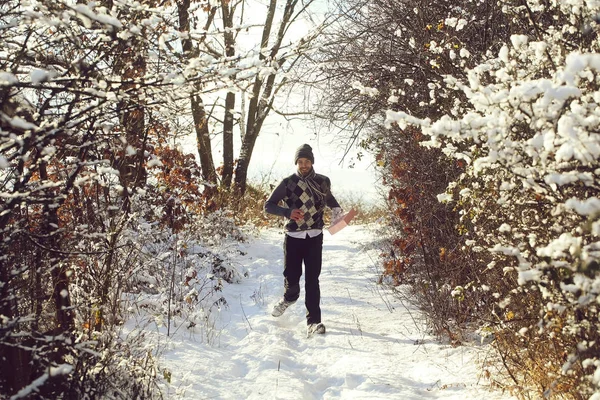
372	349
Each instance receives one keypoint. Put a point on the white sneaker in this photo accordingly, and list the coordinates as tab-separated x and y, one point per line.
280	307
315	328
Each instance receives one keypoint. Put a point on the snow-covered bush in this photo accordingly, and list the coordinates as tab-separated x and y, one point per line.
87	221
410	46
528	197
495	218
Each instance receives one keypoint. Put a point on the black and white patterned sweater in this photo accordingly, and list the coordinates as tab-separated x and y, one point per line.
309	194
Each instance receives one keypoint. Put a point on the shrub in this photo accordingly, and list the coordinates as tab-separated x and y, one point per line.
528	196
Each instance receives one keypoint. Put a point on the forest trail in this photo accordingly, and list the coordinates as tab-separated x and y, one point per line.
375	347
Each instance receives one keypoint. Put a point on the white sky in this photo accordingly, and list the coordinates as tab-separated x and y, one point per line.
374	348
274	156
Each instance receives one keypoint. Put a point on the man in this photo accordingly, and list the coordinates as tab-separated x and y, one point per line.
305	195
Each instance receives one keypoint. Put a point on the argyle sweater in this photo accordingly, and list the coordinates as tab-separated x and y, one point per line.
309	194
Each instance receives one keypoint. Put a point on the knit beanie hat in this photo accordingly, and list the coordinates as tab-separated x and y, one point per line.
304	151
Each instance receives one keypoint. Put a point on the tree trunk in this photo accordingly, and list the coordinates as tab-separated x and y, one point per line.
261	104
228	140
60	282
249	139
203	139
197	106
228	121
15	370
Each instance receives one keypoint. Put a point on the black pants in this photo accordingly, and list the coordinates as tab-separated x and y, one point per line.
309	250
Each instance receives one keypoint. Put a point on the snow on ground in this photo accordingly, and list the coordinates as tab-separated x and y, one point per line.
374	348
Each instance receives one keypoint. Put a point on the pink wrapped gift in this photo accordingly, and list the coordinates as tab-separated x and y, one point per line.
342	222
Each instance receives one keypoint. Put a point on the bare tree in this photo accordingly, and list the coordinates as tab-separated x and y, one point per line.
270	59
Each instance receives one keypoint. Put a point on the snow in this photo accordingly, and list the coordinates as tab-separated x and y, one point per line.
86	14
107	170
365	90
154	162
558	248
39	76
586	207
444	197
529	275
456	23
20	123
393	99
402	119
504	228
7	79
375	347
63	369
519	40
503	54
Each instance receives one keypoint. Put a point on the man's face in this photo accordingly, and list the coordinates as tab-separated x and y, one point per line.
304	166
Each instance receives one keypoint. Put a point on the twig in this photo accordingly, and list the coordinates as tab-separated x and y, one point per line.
172	286
244	313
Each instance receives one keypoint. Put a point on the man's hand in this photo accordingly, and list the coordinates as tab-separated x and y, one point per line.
297	215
